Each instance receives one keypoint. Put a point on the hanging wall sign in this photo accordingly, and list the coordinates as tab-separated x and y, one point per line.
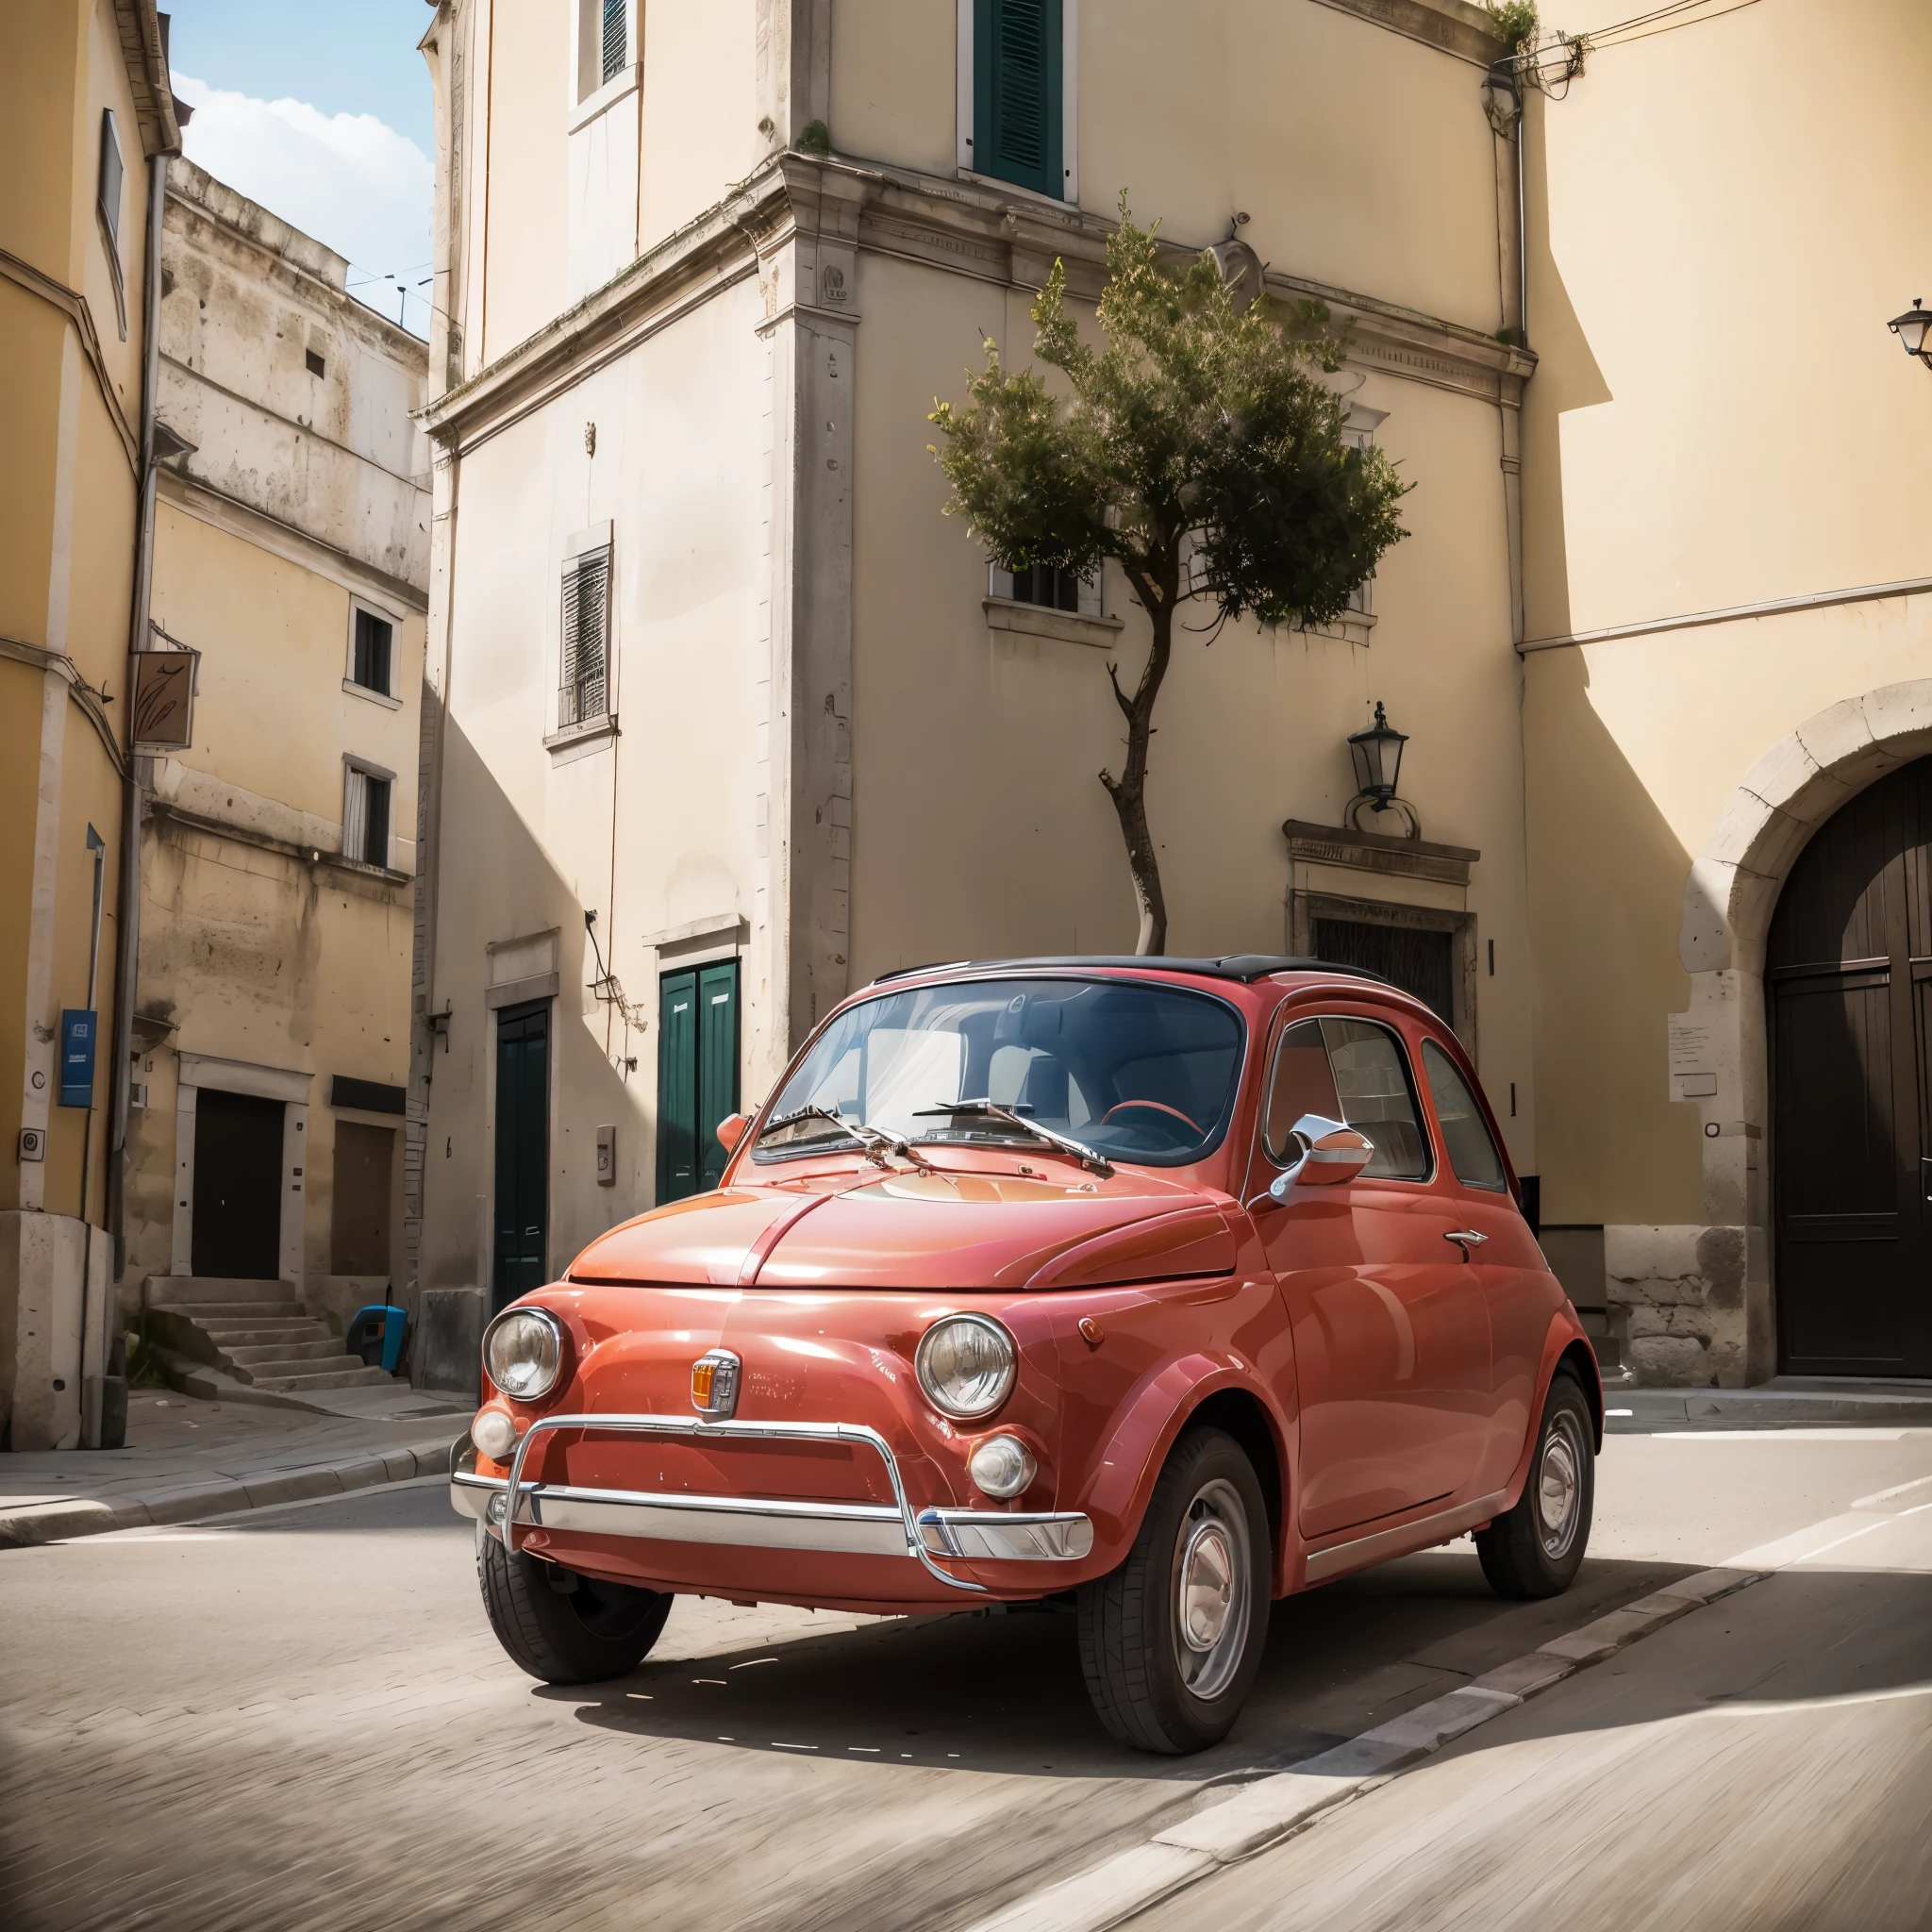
164	699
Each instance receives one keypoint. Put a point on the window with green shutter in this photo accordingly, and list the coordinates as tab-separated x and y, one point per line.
1017	82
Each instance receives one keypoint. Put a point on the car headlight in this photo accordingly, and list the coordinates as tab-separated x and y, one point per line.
1002	1466
966	1364
524	1352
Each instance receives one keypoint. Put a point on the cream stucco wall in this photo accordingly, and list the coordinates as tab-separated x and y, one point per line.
759	418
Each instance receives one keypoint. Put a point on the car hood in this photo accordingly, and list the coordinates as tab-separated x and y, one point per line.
906	1230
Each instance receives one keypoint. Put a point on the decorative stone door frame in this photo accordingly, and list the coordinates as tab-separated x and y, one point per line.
1706	1292
198	1069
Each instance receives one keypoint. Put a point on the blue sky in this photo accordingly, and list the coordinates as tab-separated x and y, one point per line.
323	114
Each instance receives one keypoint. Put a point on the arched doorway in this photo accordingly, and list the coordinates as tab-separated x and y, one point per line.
1848	972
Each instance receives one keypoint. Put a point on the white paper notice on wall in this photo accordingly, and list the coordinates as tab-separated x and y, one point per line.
1693	1060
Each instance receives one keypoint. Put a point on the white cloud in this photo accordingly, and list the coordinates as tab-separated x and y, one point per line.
350	180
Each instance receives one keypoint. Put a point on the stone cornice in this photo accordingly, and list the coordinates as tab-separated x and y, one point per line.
1343	846
961	226
1450	25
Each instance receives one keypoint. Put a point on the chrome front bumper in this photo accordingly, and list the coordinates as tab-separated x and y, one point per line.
870	1529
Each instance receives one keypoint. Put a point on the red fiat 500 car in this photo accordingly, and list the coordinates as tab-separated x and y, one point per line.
1159	1288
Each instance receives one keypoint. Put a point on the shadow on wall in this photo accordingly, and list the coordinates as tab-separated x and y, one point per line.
1607	877
496	882
1567	378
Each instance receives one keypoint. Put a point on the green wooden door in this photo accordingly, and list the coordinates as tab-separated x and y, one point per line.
1017	61
697	1075
717	1064
522	1151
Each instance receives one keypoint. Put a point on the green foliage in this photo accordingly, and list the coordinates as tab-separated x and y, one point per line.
1512	336
1515	23
1196	420
143	1365
1198	446
815	138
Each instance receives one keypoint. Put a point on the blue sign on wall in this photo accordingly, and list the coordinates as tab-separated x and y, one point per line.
77	1028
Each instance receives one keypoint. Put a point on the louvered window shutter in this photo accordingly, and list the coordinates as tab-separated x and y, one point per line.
586	637
1016	94
615	52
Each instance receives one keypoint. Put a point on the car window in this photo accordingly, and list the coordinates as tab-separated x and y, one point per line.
1472	1155
1301	1082
1372	1082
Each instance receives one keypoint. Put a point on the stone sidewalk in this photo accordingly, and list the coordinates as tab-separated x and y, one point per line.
187	1459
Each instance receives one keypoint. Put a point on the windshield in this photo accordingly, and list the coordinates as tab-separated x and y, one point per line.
1136	1072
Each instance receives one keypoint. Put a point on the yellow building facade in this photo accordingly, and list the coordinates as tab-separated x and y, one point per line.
1728	684
88	122
278	852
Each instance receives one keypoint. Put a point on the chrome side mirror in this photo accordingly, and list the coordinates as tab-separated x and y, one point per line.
1332	1152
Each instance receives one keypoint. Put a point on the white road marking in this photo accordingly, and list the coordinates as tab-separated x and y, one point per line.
1879	1497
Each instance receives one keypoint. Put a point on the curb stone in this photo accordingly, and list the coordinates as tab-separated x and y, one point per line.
61	1520
1261	1814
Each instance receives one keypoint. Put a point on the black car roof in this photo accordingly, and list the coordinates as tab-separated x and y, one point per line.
1245	967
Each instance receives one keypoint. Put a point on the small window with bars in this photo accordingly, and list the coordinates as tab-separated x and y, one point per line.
584	691
373	657
615	38
1053	589
367	791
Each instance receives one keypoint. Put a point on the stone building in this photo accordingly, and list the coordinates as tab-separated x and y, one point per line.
726	718
88	123
279	848
1658	636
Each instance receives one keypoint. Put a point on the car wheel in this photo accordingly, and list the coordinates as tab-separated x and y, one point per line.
1537	1549
562	1628
1170	1643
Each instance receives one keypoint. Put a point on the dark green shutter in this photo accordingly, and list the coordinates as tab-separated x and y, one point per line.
1017	92
697	1075
717	1064
678	1086
522	1151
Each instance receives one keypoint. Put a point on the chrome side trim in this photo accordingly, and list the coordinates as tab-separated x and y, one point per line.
1419	1534
909	1531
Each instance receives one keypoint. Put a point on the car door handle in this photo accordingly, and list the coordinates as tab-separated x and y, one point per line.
1466	1238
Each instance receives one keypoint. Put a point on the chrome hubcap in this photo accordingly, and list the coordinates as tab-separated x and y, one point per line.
1211	1571
1560	1487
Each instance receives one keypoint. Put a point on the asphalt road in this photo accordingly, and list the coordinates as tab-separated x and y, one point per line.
300	1719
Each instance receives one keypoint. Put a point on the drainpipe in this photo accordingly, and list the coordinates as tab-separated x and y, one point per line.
1521	217
127	900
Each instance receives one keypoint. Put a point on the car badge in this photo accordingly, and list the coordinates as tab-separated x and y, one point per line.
714	1384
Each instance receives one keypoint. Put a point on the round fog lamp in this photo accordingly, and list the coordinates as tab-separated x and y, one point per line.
965	1365
524	1352
494	1434
1002	1466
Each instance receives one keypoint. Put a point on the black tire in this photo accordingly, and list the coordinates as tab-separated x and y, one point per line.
562	1628
1537	1549
1155	1685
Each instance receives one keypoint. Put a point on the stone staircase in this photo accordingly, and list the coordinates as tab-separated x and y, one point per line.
257	1331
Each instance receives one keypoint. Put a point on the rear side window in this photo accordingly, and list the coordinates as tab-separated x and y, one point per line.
1356	1070
1472	1155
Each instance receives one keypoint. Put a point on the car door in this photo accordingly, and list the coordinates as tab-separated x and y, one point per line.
1505	1261
1391	1348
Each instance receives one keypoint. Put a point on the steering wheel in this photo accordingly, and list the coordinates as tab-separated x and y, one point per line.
1158	1106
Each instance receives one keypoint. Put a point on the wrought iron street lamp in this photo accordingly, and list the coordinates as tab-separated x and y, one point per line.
1377	753
1912	329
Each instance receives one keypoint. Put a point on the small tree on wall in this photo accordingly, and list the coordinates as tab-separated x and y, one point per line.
1199	448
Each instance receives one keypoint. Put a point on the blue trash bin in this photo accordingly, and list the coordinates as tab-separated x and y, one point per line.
376	1334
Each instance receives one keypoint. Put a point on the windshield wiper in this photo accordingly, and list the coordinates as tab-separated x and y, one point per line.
875	1142
1088	1158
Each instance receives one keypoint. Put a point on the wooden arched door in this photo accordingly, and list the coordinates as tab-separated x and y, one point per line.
1849	979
